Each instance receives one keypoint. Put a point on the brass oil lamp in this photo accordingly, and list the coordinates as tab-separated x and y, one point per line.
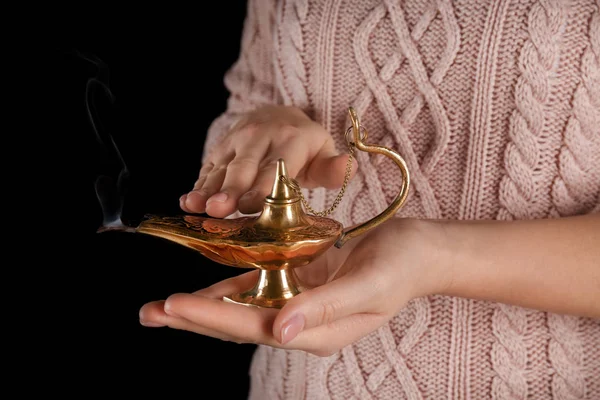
281	238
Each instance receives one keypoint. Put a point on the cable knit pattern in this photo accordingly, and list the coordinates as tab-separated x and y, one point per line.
289	52
396	356
521	189
377	86
566	353
577	187
495	106
509	353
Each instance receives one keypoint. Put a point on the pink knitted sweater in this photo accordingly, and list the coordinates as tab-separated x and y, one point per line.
495	106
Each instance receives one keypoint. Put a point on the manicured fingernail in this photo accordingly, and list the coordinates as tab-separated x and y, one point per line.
219	198
248	195
150	324
292	328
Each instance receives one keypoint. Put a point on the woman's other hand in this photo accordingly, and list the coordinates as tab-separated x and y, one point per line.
238	173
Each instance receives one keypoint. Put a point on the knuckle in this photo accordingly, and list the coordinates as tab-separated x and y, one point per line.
243	163
254	128
287	131
251	129
327	311
205	190
214	175
378	291
199	182
267	163
208	188
218	168
206	168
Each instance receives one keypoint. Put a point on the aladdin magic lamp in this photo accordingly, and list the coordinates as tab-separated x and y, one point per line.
279	239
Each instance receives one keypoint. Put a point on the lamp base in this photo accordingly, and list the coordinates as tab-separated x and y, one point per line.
273	289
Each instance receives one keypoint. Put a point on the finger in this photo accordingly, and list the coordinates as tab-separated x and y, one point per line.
208	181
350	294
326	340
240	175
153	315
204	171
323	340
182	202
206	168
295	156
196	199
248	324
329	170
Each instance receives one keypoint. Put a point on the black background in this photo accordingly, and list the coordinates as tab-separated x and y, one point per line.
164	71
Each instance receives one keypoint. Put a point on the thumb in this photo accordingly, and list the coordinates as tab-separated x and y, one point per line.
325	304
329	171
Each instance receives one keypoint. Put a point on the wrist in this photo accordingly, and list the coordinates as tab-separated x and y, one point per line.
435	273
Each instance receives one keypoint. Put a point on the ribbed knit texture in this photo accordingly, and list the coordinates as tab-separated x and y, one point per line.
495	106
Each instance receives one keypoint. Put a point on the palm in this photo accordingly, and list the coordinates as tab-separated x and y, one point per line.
352	295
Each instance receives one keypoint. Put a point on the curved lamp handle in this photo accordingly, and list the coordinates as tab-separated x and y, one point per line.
359	143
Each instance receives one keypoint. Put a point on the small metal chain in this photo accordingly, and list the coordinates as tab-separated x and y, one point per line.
293	184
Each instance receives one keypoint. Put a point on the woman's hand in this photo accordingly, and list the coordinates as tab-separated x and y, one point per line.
363	285
238	173
550	265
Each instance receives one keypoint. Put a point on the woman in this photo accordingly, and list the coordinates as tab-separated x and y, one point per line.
487	285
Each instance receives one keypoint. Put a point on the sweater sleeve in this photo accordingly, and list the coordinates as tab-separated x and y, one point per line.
251	79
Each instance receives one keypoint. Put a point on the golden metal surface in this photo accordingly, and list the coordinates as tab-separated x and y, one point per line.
398	202
273	289
281	238
242	243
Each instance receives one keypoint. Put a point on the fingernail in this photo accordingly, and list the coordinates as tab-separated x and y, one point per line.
292	328
248	195
194	193
219	197
182	201
150	324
